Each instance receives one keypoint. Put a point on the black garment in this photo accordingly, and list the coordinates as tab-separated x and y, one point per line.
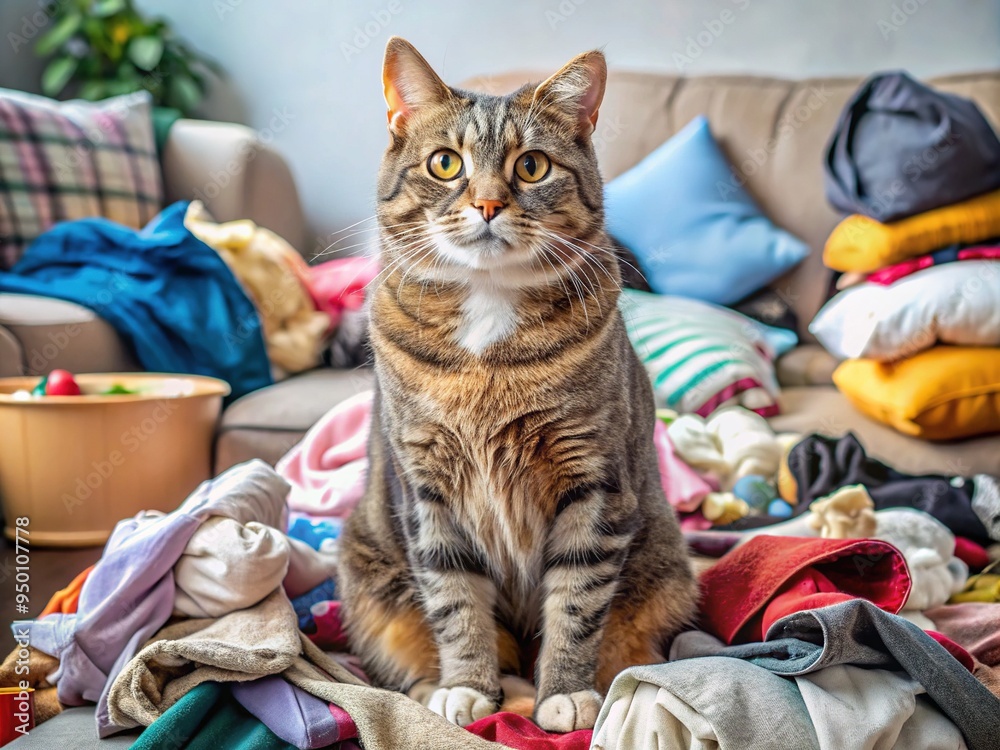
821	465
770	308
901	148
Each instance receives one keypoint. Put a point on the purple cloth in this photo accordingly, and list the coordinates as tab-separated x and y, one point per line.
297	717
129	595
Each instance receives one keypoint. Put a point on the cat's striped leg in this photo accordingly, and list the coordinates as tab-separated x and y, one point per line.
459	602
583	560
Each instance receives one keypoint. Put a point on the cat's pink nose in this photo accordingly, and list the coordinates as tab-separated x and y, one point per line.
488	207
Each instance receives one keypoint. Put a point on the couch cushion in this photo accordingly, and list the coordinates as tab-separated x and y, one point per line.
809	364
268	422
823	409
57	334
73	160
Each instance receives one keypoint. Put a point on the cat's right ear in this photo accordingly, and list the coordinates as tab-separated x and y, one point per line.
409	82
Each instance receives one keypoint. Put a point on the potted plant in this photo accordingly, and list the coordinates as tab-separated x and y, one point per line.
103	48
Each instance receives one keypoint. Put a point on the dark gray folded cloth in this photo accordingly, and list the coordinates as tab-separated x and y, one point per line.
901	148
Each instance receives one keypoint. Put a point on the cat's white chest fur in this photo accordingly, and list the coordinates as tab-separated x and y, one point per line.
489	314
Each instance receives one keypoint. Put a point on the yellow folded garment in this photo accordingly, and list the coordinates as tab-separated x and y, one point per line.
273	275
861	244
942	393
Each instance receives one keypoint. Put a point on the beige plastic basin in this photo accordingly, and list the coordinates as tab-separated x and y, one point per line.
76	465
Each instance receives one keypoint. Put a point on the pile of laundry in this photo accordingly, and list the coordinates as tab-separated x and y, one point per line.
848	613
918	315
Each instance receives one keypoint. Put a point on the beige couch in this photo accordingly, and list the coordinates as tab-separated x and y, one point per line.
774	131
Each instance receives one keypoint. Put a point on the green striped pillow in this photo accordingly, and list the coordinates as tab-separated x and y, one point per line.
700	356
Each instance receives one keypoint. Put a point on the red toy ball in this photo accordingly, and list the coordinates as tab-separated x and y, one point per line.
61	383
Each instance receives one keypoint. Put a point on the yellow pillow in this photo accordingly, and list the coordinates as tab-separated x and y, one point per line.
941	393
863	245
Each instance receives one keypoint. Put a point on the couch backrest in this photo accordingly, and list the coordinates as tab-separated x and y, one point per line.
773	131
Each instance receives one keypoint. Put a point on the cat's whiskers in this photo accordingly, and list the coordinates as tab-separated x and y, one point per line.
573	277
587	256
611	252
409	248
329	249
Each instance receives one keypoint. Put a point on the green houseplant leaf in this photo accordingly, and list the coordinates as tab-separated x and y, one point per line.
145	52
102	48
105	8
59	34
183	93
57	74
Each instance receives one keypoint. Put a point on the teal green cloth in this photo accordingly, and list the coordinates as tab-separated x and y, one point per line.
163	119
207	718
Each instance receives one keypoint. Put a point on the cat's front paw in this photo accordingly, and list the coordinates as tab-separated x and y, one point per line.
461	705
567	712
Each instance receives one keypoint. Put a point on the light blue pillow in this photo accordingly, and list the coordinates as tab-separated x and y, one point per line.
695	232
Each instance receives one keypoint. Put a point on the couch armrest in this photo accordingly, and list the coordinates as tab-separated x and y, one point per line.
39	334
11	355
235	174
809	364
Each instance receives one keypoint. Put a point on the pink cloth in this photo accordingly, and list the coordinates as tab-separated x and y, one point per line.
328	467
339	285
683	486
890	274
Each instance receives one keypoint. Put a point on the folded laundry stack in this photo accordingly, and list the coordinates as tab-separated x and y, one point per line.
918	317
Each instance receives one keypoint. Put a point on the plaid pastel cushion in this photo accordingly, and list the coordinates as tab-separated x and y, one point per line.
72	160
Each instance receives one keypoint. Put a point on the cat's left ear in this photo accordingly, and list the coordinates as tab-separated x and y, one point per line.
409	82
578	87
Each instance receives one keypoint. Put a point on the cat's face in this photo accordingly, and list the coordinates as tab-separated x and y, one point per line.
479	184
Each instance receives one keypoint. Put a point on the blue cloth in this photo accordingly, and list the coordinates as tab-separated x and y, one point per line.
694	229
170	296
325	592
314	533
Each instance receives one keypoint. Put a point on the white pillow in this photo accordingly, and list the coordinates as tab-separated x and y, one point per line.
953	303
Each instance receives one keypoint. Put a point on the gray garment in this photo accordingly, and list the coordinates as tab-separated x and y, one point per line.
721	703
901	148
860	634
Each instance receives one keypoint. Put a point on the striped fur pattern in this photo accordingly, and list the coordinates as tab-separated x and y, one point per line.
514	508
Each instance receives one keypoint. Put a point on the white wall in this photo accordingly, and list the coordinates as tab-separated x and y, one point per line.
317	62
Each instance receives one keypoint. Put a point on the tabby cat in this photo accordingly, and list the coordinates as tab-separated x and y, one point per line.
514	507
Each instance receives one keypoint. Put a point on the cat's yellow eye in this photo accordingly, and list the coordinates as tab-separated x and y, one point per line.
445	164
532	166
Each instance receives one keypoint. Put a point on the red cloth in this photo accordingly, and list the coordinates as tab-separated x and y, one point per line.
963	656
772	576
971	553
330	634
521	734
